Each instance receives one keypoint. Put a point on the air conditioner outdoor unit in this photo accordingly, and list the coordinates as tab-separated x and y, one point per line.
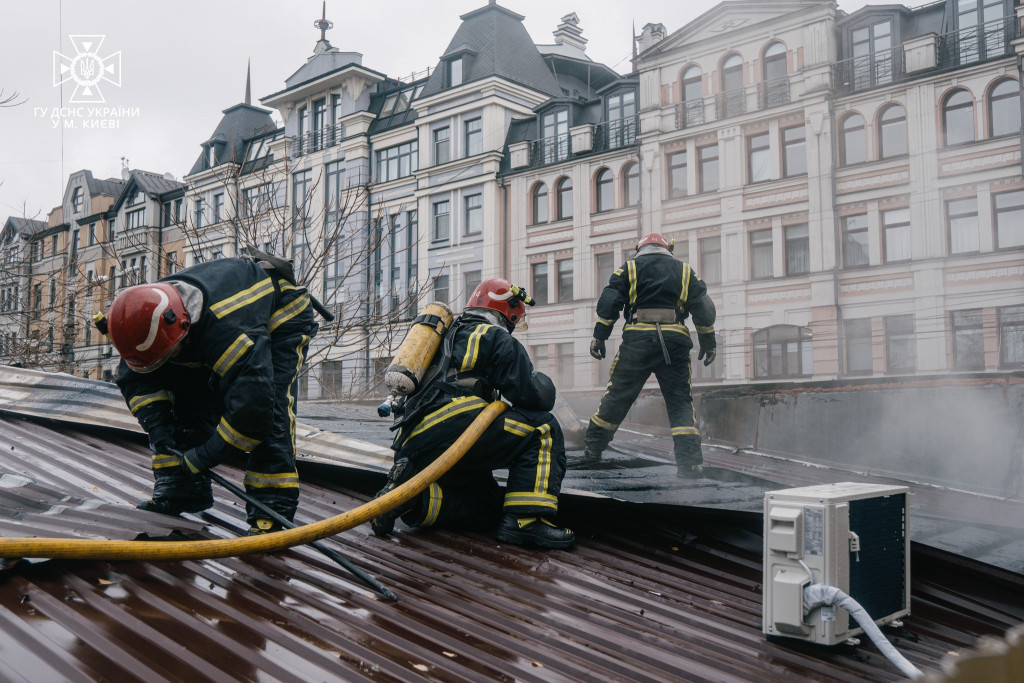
851	536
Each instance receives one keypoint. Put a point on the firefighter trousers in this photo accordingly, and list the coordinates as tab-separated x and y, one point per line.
640	354
529	443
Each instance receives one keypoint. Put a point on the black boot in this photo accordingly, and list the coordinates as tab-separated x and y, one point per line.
536	531
384	524
263	526
591	456
175	492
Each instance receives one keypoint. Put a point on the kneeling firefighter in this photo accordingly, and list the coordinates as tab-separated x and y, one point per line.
210	358
655	293
478	357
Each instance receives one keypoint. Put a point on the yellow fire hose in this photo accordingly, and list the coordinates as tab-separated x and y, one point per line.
160	551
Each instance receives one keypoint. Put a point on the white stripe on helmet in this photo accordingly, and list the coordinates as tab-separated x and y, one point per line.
154	323
500	297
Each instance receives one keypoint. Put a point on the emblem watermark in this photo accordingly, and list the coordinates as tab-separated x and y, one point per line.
89	70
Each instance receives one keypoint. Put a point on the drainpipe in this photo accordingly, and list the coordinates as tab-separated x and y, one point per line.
160	236
838	239
1020	84
369	227
504	229
639	180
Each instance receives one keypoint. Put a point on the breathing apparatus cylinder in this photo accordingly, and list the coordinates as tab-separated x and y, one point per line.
417	351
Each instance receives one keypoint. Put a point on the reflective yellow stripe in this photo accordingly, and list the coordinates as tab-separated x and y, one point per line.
517	428
540	484
232	354
705	330
236	438
532	499
243	298
685	291
285	286
454	407
631	265
605	321
300	352
682	431
434	498
286	313
162	460
473	347
650	327
264	480
136	403
604	425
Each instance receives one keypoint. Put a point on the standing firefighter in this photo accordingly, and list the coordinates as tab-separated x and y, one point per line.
658	293
477	358
210	358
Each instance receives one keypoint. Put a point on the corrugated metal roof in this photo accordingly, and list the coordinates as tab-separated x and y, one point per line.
649	593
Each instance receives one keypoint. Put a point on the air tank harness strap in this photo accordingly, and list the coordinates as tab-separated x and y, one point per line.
430	320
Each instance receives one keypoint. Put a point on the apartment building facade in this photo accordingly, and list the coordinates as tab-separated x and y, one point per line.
849	187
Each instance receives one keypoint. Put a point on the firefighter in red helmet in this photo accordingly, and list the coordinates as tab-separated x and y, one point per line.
478	360
210	358
655	293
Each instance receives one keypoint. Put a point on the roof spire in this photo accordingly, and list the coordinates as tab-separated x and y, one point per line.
248	83
323	23
633	40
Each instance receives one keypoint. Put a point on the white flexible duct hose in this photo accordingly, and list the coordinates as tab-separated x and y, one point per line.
819	595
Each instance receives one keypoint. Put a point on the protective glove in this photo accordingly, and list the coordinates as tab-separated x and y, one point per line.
707	348
597	349
196	462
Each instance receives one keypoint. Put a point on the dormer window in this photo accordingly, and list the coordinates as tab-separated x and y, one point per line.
455	72
77	200
211	156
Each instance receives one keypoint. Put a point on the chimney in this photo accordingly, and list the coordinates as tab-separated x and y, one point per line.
651	35
570	33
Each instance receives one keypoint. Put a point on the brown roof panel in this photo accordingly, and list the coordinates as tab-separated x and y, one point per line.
650	593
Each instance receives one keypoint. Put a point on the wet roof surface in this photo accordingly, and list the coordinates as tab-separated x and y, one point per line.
649	593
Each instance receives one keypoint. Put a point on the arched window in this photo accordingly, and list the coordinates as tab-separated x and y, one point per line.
631	185
775	62
1004	108
783	351
539	203
892	132
732	73
563	198
852	140
958	117
775	90
604	190
693	97
732	102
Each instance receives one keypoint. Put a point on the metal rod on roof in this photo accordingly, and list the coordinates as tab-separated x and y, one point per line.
337	557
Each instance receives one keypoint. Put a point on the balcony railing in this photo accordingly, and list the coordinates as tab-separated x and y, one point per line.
616	134
736	102
316	140
550	150
690	114
978	43
869	71
773	93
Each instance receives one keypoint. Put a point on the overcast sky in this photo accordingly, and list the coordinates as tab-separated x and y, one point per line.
183	62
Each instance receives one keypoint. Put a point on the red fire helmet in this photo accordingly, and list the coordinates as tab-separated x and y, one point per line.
498	294
654	238
145	323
